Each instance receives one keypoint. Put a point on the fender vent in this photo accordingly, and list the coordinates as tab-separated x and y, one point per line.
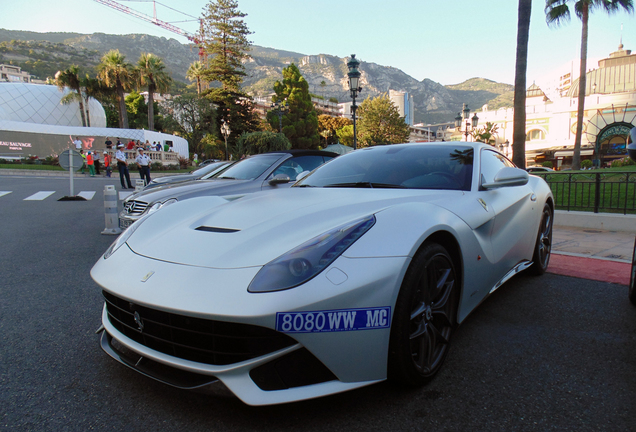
216	229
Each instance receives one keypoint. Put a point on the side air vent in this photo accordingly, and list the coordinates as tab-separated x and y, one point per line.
216	229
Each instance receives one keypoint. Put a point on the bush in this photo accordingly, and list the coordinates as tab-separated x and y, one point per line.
156	166
260	142
546	164
184	162
586	163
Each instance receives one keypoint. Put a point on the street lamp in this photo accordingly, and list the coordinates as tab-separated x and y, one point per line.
354	86
225	130
473	121
280	110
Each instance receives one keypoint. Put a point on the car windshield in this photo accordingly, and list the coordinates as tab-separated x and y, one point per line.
407	166
207	168
248	168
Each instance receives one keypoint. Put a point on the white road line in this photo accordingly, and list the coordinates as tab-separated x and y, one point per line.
39	196
3	193
88	195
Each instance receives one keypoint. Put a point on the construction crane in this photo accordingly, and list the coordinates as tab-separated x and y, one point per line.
165	25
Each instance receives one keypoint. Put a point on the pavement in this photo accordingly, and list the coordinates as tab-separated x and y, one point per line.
584	245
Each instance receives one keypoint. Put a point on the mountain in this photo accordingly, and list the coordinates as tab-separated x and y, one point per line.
42	54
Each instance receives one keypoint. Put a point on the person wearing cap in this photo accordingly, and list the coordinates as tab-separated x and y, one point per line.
122	166
143	164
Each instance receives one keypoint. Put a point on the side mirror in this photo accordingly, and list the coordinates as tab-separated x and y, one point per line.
508	176
279	179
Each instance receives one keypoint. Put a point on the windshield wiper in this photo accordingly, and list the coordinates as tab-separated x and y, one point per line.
370	185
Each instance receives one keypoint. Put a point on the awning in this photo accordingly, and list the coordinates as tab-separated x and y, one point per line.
570	153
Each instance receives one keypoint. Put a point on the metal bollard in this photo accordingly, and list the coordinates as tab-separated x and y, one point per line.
139	185
110	210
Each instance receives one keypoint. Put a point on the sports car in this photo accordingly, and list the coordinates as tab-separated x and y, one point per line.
358	273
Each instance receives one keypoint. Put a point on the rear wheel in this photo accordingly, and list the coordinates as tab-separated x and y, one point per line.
543	246
424	318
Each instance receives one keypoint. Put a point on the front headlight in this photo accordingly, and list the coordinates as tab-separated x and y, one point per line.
307	260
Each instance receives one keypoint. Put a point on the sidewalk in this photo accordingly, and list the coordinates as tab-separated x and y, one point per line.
594	254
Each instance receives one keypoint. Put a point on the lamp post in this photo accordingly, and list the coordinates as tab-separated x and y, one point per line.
280	110
473	121
354	87
225	130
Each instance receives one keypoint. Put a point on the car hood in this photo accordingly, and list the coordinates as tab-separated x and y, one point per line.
182	190
251	231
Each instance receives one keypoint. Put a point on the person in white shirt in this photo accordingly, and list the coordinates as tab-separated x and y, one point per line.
143	163
78	143
122	167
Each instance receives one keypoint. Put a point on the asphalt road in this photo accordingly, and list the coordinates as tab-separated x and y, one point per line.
547	353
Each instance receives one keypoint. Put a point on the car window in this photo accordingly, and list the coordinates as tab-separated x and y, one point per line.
491	163
294	166
399	166
249	168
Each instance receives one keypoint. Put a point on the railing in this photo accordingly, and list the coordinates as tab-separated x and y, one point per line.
166	158
612	192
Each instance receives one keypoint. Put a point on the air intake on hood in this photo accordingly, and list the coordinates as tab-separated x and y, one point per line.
216	230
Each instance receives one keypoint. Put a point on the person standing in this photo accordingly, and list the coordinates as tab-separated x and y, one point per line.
109	143
91	164
83	160
195	160
97	161
78	143
143	163
107	163
122	166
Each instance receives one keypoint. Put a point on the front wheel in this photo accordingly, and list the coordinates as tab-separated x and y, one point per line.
425	315
543	246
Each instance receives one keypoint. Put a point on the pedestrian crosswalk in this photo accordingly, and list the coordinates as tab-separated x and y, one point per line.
42	195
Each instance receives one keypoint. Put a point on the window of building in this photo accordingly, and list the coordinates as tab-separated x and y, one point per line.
535	134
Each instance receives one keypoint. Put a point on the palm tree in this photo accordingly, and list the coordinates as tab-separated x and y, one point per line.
70	78
521	65
195	73
117	74
151	72
94	88
557	12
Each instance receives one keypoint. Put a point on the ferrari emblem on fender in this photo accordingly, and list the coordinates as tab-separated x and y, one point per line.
145	278
483	204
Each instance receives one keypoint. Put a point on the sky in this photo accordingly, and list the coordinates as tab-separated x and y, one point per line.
445	41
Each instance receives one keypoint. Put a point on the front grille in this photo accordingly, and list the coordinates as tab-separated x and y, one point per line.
195	339
135	208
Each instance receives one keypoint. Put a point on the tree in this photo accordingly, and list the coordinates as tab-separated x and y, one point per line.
136	110
487	134
225	35
70	78
345	135
94	88
117	74
328	125
558	12
195	73
300	123
380	122
151	72
521	66
260	142
192	117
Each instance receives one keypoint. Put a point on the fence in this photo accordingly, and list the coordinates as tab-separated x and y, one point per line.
611	192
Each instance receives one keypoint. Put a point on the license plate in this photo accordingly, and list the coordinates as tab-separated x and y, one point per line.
334	320
125	223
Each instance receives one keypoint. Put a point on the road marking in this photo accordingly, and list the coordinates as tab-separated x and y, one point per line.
3	193
88	195
39	196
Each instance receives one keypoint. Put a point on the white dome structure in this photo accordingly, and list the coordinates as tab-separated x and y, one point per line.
41	104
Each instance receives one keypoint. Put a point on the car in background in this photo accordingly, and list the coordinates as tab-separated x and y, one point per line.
539	169
274	170
358	273
206	171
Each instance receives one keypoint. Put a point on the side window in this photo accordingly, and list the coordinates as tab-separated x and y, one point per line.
491	163
294	166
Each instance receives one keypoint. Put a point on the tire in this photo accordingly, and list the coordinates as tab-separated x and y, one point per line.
424	317
543	246
632	278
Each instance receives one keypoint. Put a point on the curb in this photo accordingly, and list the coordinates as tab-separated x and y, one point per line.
600	221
